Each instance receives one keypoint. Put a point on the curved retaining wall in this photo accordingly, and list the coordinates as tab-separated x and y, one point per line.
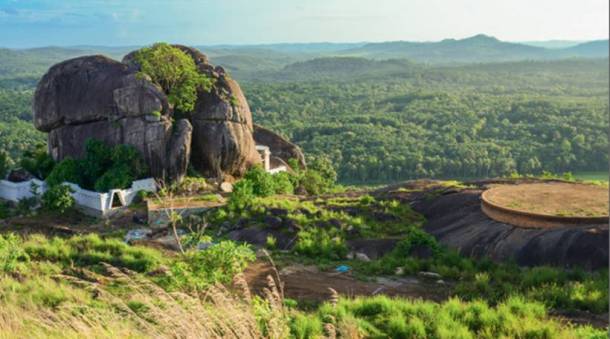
533	220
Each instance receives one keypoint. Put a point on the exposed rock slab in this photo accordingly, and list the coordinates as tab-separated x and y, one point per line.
457	221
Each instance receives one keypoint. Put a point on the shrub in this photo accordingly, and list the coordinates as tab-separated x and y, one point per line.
102	168
217	264
242	195
283	183
37	161
12	255
318	242
313	182
262	182
66	170
118	176
58	199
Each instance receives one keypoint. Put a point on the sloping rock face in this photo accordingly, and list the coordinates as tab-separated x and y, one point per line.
97	97
457	221
279	147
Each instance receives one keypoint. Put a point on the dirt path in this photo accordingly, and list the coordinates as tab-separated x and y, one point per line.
308	283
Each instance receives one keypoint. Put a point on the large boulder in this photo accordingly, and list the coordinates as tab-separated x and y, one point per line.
95	97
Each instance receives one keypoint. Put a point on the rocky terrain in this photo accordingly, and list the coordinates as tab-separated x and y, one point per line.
97	97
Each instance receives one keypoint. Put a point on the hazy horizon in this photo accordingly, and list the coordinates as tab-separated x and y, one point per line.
241	22
537	43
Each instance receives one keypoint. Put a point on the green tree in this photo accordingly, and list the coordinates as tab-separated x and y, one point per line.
175	72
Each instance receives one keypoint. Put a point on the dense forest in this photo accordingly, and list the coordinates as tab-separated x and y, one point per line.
391	120
468	121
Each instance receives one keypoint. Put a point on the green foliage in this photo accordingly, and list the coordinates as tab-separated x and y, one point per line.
459	121
313	183
197	270
92	250
5	162
258	183
319	178
12	255
67	170
58	199
102	168
37	161
321	243
118	176
176	72
384	317
283	183
242	195
263	184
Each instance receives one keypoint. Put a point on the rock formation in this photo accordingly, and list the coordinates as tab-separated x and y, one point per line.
97	97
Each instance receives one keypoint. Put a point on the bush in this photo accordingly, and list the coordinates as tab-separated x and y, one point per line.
283	183
217	264
313	182
262	182
58	199
321	243
66	170
259	183
118	176
37	161
12	255
103	168
242	195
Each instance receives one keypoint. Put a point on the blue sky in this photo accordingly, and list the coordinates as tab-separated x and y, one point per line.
136	22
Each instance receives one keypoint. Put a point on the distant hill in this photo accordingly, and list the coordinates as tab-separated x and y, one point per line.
553	43
35	61
479	48
321	60
597	48
342	68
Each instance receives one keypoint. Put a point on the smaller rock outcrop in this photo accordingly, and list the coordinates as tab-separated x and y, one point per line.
279	147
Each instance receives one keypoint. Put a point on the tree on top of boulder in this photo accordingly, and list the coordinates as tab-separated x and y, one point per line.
175	72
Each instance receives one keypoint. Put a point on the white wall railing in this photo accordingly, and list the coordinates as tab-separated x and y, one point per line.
94	202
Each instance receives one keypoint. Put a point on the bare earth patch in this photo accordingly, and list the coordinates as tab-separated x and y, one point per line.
553	198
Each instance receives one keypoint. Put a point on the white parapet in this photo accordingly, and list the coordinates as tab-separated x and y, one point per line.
15	191
93	202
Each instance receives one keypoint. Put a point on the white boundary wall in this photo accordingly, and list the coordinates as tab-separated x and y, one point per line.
98	203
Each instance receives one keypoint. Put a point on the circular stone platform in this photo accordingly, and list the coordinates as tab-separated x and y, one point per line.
545	205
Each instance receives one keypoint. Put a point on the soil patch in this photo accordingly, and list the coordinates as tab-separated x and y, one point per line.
552	199
310	284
